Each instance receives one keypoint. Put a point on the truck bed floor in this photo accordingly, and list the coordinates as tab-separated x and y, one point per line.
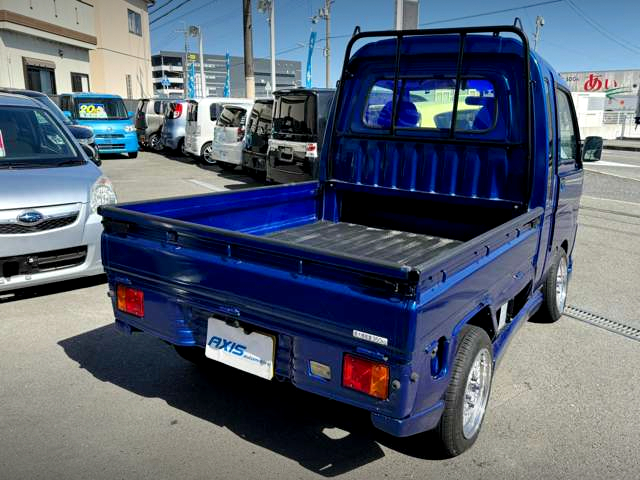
394	246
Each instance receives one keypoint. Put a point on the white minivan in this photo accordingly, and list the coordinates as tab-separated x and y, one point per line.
202	114
228	135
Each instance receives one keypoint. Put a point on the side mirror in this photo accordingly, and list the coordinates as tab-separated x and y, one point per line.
92	154
592	149
67	114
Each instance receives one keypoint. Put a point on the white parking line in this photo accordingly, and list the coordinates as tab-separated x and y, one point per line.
206	185
594	170
610	200
605	163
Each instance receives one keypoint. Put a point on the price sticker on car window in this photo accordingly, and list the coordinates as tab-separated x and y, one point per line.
92	110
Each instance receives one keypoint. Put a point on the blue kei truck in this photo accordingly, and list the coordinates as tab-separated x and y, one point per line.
444	217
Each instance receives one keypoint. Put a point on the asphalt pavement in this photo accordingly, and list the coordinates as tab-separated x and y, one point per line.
80	401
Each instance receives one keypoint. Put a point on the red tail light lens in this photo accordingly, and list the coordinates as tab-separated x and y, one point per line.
365	376
177	111
130	300
312	150
240	134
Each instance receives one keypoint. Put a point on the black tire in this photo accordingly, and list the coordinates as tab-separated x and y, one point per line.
194	355
205	154
180	150
154	143
133	154
472	340
553	305
227	167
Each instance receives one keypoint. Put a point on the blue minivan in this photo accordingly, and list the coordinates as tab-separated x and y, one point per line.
107	115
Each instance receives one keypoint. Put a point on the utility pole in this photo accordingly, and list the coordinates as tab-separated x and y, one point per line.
268	7
197	31
185	30
249	77
539	25
325	14
406	14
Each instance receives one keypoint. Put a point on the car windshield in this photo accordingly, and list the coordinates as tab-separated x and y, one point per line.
30	138
100	108
54	109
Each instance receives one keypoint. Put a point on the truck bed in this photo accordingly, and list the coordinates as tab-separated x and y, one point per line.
403	248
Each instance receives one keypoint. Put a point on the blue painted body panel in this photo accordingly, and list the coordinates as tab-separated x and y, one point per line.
216	255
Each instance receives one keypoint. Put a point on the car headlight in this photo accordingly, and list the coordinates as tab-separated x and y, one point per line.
86	141
102	193
130	128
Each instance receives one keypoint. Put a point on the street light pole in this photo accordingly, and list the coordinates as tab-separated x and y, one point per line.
272	25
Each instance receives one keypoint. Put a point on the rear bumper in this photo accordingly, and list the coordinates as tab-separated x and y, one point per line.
227	153
170	141
126	144
192	145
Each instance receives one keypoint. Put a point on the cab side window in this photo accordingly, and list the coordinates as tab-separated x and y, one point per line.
567	134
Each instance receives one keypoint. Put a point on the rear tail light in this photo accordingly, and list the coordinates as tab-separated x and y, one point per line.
130	300
365	376
311	150
240	134
177	110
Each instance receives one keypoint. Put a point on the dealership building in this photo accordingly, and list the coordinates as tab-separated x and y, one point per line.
168	74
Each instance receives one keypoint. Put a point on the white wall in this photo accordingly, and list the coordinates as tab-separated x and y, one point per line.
14	46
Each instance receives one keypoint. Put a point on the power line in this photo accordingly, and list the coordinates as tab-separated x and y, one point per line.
188	12
485	14
161	6
167	13
624	44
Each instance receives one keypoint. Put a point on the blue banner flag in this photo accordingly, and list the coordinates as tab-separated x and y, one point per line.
191	81
312	44
227	81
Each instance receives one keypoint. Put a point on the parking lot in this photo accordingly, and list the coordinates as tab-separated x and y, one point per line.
79	400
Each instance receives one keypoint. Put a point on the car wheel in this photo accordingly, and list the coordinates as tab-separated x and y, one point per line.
133	154
181	149
205	153
154	142
468	392
555	289
227	167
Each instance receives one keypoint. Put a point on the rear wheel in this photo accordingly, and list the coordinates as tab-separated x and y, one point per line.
180	148
555	288
468	392
133	154
154	142
205	153
227	167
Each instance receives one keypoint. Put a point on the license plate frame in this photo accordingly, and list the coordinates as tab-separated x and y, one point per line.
252	352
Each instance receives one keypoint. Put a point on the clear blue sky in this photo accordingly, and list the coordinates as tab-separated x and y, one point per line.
608	38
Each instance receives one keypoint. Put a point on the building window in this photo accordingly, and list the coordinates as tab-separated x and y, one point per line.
40	78
135	22
129	90
79	82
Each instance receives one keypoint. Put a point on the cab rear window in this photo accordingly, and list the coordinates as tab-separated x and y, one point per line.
427	103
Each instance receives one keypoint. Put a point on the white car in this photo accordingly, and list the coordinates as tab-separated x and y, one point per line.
229	134
49	226
202	115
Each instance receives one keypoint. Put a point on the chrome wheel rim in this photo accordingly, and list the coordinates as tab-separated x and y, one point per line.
155	142
206	154
476	393
561	284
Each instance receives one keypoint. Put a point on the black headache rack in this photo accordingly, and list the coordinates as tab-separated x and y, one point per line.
451	139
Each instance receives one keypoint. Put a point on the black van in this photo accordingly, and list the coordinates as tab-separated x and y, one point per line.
299	120
256	140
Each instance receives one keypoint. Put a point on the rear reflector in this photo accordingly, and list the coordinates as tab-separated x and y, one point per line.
130	300
366	376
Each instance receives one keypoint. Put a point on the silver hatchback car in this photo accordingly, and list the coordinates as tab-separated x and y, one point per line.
49	195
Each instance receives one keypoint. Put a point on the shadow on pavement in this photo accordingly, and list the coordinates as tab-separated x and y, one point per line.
52	288
324	436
